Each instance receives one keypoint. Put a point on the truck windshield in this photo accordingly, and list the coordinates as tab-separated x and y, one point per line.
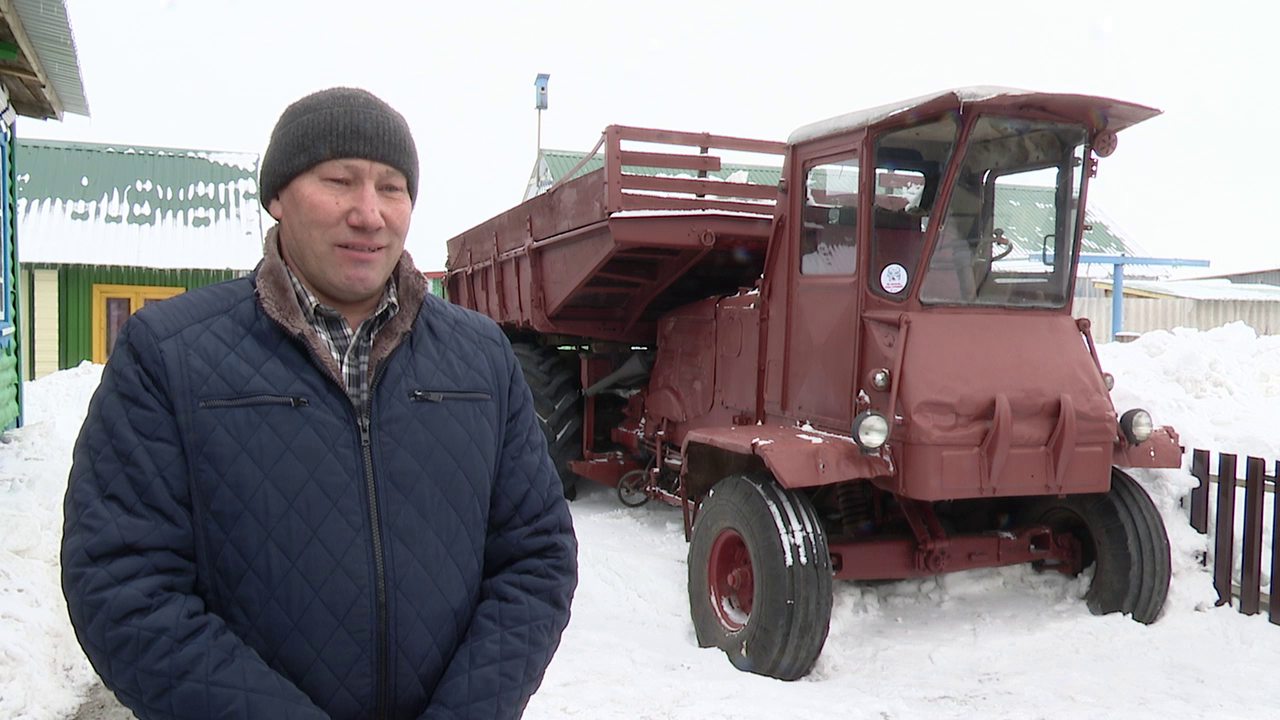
1008	235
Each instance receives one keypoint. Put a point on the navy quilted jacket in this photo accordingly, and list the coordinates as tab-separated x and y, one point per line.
239	545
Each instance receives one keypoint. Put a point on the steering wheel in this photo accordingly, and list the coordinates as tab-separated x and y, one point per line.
998	238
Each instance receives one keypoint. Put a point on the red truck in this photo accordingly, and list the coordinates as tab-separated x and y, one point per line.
840	370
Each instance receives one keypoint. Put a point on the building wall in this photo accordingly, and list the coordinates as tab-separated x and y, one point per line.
75	299
1267	277
10	347
1147	314
41	322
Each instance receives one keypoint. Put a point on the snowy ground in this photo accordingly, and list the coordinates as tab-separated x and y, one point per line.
1004	643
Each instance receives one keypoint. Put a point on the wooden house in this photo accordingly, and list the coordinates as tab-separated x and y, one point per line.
108	228
39	78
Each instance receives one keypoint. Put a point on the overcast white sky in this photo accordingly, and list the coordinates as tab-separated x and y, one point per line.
1197	182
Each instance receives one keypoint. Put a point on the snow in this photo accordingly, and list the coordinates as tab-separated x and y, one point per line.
765	211
42	670
998	643
863	118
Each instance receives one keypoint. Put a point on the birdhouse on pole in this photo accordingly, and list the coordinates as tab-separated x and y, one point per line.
540	85
540	102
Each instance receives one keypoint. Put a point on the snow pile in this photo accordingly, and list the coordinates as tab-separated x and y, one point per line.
43	672
1220	388
1005	642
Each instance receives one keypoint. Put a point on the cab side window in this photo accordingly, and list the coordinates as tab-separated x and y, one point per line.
828	239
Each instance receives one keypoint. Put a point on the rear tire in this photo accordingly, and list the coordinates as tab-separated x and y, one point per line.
553	381
760	577
1122	534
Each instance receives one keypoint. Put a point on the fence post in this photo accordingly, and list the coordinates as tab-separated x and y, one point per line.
1273	610
1251	562
1200	496
1225	528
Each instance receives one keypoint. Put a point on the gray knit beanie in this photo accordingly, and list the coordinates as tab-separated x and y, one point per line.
334	124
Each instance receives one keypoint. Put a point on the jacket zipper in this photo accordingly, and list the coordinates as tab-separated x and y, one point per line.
442	395
379	559
363	426
254	400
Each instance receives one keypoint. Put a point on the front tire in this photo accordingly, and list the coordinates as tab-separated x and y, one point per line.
1122	534
760	577
553	381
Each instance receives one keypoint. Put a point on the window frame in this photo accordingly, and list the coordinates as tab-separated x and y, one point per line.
137	296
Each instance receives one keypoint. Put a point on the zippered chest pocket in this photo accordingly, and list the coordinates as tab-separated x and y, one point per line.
258	400
449	396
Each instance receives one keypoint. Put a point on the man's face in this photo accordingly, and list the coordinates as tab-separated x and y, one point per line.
342	229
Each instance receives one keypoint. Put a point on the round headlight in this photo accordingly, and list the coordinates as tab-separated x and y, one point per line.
870	430
1136	425
1109	380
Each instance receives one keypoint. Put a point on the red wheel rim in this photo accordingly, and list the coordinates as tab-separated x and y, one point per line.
730	580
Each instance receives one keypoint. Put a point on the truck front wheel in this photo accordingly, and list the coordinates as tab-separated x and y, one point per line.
1122	536
553	381
760	577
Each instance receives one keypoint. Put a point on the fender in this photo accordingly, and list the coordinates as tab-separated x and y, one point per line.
796	457
1161	450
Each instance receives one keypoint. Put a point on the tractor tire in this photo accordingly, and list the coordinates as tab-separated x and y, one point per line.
557	400
1122	534
760	577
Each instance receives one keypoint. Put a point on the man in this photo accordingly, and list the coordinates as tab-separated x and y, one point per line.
319	491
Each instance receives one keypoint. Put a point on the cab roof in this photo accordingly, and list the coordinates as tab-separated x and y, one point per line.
1097	113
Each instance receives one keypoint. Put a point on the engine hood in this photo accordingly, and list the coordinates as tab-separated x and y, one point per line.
957	365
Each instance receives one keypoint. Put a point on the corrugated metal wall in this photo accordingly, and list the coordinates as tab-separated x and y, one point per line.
75	299
93	204
1266	277
1147	314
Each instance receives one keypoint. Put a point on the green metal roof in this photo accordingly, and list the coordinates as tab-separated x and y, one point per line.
96	204
1028	216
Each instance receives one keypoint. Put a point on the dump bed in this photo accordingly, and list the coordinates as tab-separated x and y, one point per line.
661	223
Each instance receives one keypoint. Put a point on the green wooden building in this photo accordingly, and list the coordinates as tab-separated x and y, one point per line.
39	78
107	229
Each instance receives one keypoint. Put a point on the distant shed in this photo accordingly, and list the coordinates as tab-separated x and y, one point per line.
1203	303
435	282
107	229
1254	277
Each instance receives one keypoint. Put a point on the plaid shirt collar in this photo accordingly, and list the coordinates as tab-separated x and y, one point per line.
350	348
311	304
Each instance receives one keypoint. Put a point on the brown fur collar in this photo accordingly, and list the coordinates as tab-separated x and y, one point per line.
275	294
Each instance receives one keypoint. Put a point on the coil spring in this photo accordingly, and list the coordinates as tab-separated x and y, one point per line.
857	510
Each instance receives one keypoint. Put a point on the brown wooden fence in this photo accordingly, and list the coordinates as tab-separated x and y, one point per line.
1257	486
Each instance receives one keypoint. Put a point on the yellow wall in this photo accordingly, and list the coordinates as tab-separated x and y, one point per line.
42	333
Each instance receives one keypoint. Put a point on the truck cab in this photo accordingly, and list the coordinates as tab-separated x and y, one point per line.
895	296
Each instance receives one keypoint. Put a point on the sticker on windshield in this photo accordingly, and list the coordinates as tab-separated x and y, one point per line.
893	278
